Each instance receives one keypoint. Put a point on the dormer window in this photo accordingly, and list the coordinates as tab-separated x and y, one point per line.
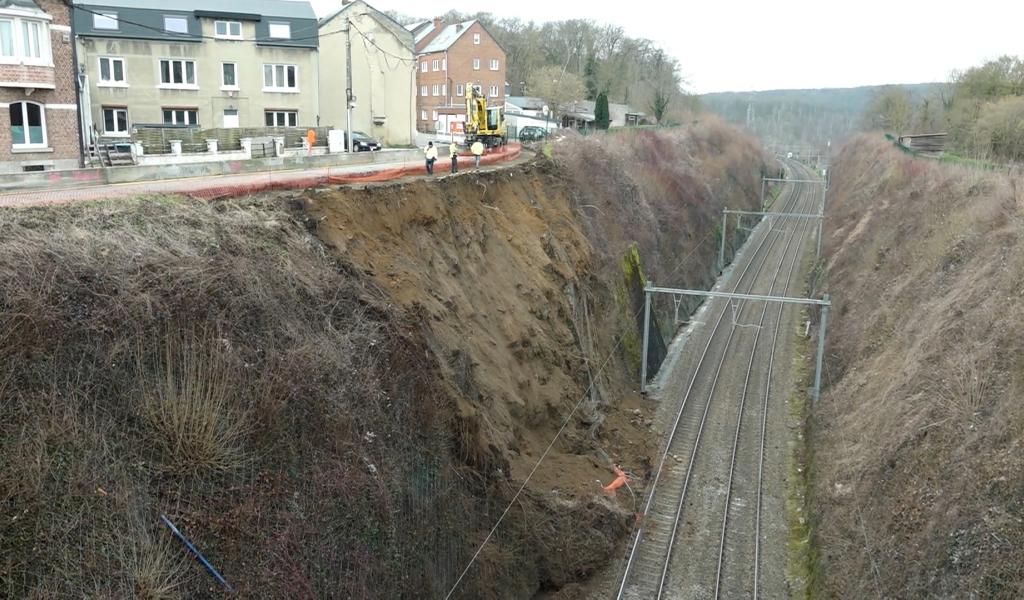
175	24
104	21
281	31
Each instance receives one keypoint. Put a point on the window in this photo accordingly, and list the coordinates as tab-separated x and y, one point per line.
476	39
460	90
177	73
444	89
28	125
494	64
436	90
112	71
282	118
444	64
423	115
436	64
280	78
176	24
229	76
115	121
493	91
229	30
104	21
476	64
435	115
24	41
181	116
282	31
423	90
423	66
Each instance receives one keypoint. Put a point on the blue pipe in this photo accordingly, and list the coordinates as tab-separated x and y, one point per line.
199	556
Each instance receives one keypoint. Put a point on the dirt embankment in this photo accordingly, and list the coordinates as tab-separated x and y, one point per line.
336	393
917	444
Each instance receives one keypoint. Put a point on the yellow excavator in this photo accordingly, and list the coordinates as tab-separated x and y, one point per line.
483	123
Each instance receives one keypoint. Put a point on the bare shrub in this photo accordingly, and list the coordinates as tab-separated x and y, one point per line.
191	409
964	384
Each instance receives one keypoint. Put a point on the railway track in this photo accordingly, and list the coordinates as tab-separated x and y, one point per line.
701	529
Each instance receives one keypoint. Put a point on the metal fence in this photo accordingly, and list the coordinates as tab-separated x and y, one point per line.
157	140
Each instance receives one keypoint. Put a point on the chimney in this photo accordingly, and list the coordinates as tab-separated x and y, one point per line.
458	27
438	21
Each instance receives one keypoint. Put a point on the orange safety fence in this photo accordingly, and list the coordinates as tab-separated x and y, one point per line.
619	481
236	185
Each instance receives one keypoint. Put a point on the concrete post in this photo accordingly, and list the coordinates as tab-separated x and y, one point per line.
647	336
211	146
137	149
246	147
762	192
175	147
822	327
817	252
721	247
279	146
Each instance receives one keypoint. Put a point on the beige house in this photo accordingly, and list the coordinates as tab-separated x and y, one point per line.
382	67
206	64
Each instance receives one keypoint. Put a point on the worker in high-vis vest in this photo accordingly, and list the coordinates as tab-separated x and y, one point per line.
478	150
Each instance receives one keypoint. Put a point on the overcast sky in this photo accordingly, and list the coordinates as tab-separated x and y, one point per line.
725	45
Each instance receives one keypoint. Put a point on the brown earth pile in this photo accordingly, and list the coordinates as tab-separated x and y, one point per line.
917	443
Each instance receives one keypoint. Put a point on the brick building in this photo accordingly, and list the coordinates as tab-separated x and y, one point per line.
449	57
39	123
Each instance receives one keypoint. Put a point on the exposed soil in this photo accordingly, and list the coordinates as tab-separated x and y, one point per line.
917	461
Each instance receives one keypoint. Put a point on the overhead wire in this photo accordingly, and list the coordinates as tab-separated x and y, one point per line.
565	423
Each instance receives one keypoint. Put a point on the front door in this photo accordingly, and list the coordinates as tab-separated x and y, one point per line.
230	118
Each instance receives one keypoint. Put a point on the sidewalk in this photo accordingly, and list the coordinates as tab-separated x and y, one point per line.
220	186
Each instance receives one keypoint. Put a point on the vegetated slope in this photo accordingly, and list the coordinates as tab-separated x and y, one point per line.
917	443
345	419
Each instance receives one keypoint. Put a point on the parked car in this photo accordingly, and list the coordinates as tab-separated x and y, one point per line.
532	133
364	143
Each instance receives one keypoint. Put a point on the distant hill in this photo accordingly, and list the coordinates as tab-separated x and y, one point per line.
804	117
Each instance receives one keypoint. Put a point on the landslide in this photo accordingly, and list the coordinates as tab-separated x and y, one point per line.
336	392
918	465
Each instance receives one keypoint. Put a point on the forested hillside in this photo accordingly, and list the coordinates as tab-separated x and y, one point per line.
803	117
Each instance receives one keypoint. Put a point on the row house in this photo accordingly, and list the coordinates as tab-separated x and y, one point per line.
449	57
220	64
39	116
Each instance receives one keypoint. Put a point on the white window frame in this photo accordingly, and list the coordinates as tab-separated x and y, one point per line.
444	89
174	117
100	82
423	67
18	55
494	64
476	39
171	85
423	90
423	115
115	110
435	64
444	64
476	64
227	35
278	25
435	90
106	19
435	115
281	85
493	92
225	86
24	119
284	117
181	18
460	90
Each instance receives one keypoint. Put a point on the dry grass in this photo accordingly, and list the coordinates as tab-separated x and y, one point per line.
918	461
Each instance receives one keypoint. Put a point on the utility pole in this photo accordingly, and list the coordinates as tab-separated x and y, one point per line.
349	96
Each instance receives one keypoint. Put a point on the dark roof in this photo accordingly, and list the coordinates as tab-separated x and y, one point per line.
144	19
20	4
